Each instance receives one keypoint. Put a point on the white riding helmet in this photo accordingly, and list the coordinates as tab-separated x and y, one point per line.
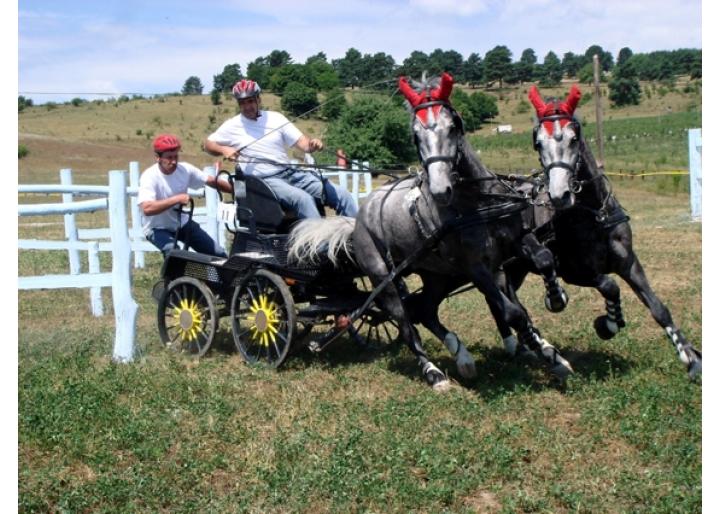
246	89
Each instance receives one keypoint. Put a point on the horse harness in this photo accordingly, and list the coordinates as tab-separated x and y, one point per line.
457	121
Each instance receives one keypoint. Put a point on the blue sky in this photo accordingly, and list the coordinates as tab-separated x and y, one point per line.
153	47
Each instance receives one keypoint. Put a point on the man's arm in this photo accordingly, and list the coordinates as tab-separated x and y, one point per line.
307	145
221	185
214	148
153	207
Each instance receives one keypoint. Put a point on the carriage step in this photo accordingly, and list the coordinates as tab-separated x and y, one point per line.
333	305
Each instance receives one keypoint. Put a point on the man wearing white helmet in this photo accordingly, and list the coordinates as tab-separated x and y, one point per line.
262	138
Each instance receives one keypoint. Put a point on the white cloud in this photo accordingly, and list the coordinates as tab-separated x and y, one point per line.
451	7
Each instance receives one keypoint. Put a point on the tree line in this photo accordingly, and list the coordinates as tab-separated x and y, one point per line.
375	126
277	71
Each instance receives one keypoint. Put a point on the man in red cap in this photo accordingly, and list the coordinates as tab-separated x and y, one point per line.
164	186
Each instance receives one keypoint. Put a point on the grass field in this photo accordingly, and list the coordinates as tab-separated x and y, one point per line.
357	431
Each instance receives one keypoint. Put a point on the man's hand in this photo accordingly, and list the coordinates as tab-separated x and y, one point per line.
315	144
230	153
182	198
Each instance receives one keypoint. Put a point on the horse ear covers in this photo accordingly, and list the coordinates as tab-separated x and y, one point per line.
567	107
442	92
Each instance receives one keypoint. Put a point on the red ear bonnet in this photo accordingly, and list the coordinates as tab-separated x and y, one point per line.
440	93
566	108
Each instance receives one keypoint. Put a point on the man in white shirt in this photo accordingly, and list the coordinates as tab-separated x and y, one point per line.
163	187
262	139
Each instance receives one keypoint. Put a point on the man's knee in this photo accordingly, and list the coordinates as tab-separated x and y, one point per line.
305	205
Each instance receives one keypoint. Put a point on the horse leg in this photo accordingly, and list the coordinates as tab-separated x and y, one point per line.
608	325
435	290
515	315
634	275
510	341
556	299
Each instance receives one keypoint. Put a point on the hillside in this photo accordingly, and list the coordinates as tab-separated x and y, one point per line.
95	137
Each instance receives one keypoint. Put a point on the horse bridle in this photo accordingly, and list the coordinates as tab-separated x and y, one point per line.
575	184
457	121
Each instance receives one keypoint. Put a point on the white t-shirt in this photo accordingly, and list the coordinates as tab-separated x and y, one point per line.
156	185
266	138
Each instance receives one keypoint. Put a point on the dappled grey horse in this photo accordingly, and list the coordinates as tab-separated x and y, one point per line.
454	223
588	230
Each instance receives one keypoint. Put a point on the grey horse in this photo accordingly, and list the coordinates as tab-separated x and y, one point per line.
588	230
454	223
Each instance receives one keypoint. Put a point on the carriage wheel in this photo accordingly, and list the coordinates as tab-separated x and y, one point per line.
187	318
263	319
374	329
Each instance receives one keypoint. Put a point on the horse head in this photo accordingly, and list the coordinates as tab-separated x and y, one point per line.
438	133
557	141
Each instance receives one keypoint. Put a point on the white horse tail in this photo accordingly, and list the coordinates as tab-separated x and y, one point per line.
313	238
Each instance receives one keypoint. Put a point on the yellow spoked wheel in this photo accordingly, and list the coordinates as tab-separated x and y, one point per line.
263	319
187	318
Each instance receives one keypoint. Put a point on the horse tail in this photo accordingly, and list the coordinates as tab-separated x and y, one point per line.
313	238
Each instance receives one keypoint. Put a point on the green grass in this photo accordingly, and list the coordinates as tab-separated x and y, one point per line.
631	145
356	431
352	431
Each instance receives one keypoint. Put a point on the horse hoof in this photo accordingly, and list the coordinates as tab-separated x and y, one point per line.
562	371
465	364
526	354
556	302
695	369
604	327
511	345
442	386
433	376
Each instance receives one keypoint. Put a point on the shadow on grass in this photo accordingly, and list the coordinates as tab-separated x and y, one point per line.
497	373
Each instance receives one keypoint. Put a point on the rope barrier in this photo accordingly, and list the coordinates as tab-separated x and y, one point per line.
658	173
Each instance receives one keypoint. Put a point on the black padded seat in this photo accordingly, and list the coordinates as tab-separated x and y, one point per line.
258	208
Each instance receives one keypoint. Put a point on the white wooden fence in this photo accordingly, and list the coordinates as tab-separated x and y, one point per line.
119	239
695	165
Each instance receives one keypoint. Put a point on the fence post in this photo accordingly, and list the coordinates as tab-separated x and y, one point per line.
96	304
71	232
342	176
136	225
211	208
695	164
123	304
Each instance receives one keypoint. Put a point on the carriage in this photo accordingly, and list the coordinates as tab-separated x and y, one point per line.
272	304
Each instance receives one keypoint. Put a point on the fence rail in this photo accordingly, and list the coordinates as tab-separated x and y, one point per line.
119	239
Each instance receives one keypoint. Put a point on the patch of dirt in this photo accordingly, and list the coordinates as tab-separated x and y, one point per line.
482	502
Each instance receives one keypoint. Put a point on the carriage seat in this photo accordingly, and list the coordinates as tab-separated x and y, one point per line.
259	209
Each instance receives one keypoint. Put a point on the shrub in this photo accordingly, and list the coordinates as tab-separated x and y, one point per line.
371	128
523	107
334	104
215	97
22	151
77	102
298	99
